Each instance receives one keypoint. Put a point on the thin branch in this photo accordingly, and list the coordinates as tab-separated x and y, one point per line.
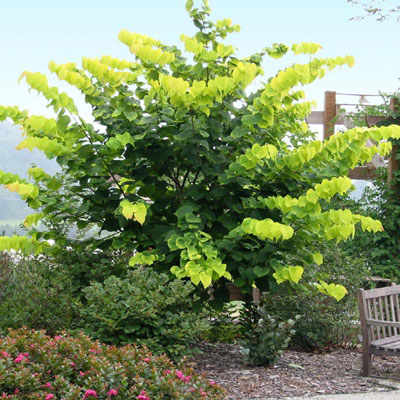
100	156
186	176
195	177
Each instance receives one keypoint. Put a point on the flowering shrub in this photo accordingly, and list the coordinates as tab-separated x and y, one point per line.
36	366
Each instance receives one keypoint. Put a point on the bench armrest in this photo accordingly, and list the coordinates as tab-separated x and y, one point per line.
377	322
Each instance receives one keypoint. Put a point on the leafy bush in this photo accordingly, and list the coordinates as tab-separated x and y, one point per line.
83	265
380	200
322	321
146	308
383	249
263	337
35	294
224	327
36	366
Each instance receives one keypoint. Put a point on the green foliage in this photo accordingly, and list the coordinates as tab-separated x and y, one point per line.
187	169
263	337
383	249
35	295
380	200
146	308
36	366
224	327
322	321
358	116
82	266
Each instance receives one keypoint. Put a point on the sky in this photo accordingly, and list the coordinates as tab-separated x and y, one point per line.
34	32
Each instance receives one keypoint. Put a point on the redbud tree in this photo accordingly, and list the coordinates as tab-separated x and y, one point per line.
190	164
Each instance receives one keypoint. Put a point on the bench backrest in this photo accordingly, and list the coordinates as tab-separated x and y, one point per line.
380	304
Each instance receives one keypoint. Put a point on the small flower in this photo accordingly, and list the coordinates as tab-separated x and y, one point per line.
81	373
143	396
179	374
167	371
5	354
112	392
147	359
90	392
57	337
72	364
49	397
48	385
19	358
212	383
16	391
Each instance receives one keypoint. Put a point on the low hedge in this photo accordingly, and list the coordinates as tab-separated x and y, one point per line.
34	365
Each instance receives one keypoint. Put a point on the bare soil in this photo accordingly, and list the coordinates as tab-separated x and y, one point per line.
296	374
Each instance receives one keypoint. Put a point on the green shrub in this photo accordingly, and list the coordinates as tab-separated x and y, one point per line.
263	338
224	327
146	308
82	265
36	366
323	321
36	295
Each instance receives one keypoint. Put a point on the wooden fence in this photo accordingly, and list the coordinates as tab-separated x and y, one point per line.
332	116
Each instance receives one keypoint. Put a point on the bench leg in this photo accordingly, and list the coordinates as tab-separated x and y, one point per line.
366	368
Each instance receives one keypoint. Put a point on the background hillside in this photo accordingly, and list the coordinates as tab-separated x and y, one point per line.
12	209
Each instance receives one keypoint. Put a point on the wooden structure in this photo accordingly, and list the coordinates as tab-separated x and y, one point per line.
331	117
235	293
380	323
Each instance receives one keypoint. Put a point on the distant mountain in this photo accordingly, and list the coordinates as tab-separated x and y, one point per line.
12	208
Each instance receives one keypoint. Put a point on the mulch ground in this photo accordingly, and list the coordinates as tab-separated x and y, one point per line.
296	374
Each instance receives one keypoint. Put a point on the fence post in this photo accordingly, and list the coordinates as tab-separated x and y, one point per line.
329	114
393	164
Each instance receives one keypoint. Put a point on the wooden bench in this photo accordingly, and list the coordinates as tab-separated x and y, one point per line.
380	323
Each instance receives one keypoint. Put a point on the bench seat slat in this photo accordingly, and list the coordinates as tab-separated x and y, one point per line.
387	346
390	348
384	341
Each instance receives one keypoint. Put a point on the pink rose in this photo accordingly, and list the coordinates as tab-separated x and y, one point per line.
147	359
112	392
49	397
